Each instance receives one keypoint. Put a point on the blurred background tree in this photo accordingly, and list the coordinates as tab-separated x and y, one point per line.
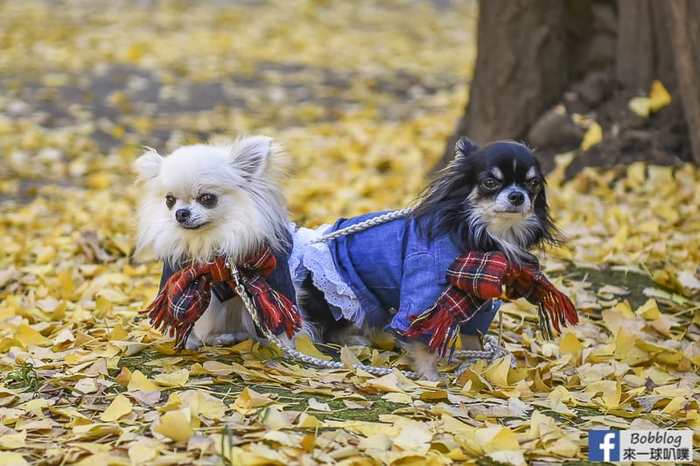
547	69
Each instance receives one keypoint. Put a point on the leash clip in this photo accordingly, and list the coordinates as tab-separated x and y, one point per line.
236	276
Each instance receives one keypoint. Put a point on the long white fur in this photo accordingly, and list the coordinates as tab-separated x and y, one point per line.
250	212
251	209
512	231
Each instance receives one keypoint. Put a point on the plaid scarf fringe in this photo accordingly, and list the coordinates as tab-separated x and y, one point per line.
281	314
187	293
474	280
441	322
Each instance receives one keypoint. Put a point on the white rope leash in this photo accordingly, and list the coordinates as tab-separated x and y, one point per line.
294	354
364	225
492	350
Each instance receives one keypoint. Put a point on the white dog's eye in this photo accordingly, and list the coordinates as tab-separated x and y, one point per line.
170	201
208	200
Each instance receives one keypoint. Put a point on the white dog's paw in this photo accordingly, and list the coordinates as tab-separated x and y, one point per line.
424	361
193	343
350	336
287	342
226	339
428	373
357	340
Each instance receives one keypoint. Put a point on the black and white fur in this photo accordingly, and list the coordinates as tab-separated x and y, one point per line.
203	201
490	199
487	199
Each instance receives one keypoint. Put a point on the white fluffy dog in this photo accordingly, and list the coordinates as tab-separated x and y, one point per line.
203	201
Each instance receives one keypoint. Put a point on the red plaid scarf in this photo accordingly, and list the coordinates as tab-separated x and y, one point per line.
474	279
187	293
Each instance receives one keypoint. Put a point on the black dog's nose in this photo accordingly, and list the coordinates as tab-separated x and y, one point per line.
516	197
181	215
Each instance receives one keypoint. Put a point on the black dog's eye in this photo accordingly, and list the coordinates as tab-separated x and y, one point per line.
490	183
534	184
170	201
208	200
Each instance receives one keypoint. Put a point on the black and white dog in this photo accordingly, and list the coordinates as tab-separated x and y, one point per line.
488	199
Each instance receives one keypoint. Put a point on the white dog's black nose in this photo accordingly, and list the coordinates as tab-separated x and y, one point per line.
516	197
182	215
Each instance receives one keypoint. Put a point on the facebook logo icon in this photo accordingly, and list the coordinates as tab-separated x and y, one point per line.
604	445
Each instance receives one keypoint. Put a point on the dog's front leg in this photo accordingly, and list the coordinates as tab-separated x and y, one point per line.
220	325
424	361
193	342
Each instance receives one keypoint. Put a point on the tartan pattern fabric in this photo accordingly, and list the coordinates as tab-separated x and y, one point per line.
480	274
475	278
187	293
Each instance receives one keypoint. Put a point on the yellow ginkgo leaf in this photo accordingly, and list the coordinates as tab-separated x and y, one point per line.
316	405
569	344
348	358
304	344
11	441
497	373
120	406
250	399
388	383
138	381
659	97
593	136
176	378
649	310
640	106
218	368
86	385
202	404
12	459
28	336
36	406
414	436
124	376
118	333
675	405
175	425
398	397
309	421
611	392
504	440
141	453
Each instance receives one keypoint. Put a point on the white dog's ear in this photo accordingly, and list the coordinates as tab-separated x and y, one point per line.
252	155
148	165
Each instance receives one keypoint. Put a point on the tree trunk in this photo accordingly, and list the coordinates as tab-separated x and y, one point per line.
635	45
686	55
586	55
521	68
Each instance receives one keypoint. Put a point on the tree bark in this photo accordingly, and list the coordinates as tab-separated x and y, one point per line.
521	67
685	41
635	45
533	54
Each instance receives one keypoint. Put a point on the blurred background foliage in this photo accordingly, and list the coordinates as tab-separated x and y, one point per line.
364	95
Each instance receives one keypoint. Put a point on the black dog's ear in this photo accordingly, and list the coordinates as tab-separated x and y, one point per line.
464	147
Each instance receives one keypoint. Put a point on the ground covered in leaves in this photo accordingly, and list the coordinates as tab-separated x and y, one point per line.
363	95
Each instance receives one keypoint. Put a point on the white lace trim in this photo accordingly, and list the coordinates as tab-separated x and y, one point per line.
317	259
